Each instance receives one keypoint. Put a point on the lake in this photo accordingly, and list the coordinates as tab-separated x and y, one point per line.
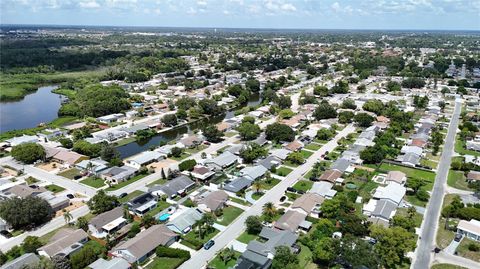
40	106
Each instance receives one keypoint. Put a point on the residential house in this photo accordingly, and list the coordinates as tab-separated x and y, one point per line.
27	260
269	162
23	191
412	149
115	263
294	145
142	204
473	176
380	210
261	140
64	242
107	223
222	161
213	201
201	173
115	174
281	154
352	154
144	158
260	254
15	141
330	176
393	192
470	229
235	149
309	204
397	177
110	118
342	165
177	186
183	222
191	141
93	166
293	220
410	159
253	172
144	244
238	184
324	189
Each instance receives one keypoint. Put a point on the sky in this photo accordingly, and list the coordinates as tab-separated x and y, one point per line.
303	14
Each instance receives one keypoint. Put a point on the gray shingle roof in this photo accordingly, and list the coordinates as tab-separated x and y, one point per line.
238	184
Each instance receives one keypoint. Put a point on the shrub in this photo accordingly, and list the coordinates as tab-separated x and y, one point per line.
473	247
163	251
187	165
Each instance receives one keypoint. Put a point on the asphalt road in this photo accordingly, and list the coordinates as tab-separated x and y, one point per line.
429	226
202	257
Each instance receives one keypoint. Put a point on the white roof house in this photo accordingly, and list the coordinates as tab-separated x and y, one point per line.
144	158
470	229
15	141
393	192
324	189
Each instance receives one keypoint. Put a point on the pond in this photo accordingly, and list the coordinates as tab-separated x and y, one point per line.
39	107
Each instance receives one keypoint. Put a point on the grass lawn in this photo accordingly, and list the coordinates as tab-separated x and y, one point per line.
444	237
125	141
273	182
429	163
305	258
193	236
321	142
246	237
457	180
306	154
70	173
157	182
125	183
446	266
217	263
313	146
93	182
430	156
230	134
291	196
230	213
283	171
257	195
31	180
427	176
161	205
183	156
54	188
131	196
239	201
303	185
164	263
460	148
417	218
332	156
465	252
290	164
197	149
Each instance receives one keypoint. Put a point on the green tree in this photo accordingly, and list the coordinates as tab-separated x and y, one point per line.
286	114
252	85
108	152
28	153
83	257
349	104
374	105
254	224
82	223
324	251
176	152
148	221
170	120
325	134
392	244
248	131
269	211
284	259
66	142
31	244
320	90
296	158
212	134
363	119
24	213
134	230
393	86
279	132
284	101
67	216
226	255
102	202
251	152
3	258
324	111
61	262
187	165
345	117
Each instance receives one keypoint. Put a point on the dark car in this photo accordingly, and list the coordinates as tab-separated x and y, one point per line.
70	196
300	192
6	234
123	194
209	244
283	198
458	237
77	177
291	189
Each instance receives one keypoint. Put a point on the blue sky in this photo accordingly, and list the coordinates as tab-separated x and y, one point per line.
317	14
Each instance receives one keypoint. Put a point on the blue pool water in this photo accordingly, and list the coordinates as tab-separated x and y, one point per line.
164	217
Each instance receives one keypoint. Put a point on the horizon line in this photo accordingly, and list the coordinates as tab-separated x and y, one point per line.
240	28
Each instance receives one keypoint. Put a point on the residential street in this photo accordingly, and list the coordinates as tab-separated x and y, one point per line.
443	257
426	242
202	257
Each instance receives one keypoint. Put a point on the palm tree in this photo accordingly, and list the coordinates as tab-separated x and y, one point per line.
227	254
269	210
67	216
257	186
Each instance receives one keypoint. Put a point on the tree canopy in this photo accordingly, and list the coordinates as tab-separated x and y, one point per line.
28	152
279	132
24	213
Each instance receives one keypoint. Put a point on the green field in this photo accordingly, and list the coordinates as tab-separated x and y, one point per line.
460	148
230	213
246	237
94	182
313	146
306	154
303	185
283	171
164	263
125	183
217	263
54	188
131	196
457	180
70	173
268	186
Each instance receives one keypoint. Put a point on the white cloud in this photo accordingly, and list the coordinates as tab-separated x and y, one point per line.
288	7
226	12
192	11
89	4
202	3
336	7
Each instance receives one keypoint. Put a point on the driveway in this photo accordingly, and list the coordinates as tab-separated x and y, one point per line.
450	249
202	257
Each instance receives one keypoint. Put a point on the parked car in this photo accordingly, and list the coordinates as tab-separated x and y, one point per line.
209	244
70	196
283	198
77	177
458	237
291	189
123	194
